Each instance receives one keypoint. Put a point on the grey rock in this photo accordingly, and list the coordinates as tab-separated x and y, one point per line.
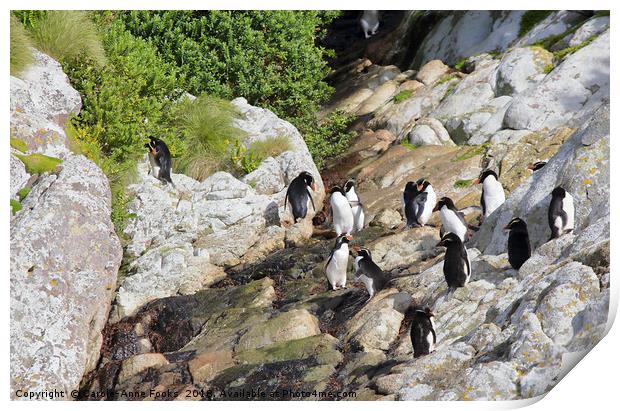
431	72
19	176
521	68
429	131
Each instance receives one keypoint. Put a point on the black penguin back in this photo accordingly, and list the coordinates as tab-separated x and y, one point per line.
297	195
519	249
455	264
421	328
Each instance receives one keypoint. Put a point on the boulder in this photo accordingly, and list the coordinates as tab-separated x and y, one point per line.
429	131
522	68
579	85
64	260
431	72
556	23
19	176
592	27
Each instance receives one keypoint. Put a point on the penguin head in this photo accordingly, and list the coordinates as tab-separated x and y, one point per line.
411	187
336	189
428	312
343	239
515	223
444	201
422	183
349	185
152	144
308	179
449	239
364	253
486	173
558	192
536	166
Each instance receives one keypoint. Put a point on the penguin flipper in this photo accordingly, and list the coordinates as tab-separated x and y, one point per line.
286	199
311	200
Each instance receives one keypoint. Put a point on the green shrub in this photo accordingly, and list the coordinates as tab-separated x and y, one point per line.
206	124
39	163
531	18
29	18
329	137
21	55
23	193
248	159
67	35
15	206
402	96
18	144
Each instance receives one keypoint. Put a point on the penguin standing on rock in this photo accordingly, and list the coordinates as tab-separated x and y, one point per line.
341	211
369	273
561	212
160	160
423	335
456	266
356	206
409	195
369	22
452	219
298	195
519	249
425	201
336	265
492	192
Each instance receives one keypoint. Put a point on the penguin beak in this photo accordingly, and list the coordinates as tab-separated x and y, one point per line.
419	187
507	226
436	208
348	237
313	186
530	166
476	181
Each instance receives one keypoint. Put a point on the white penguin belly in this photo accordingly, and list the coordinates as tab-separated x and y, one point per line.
431	200
569	208
358	218
368	282
493	195
431	343
336	270
342	214
154	166
452	223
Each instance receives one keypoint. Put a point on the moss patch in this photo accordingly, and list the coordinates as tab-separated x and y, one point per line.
531	18
23	193
39	163
472	151
314	346
446	78
15	206
18	144
408	145
462	183
402	96
560	54
459	64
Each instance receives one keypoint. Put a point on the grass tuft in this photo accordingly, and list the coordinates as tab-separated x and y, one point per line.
39	163
18	144
21	54
471	151
15	206
66	35
402	96
23	193
560	54
207	125
405	143
462	183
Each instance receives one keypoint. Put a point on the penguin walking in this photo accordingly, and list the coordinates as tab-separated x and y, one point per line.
160	160
357	208
369	273
561	213
519	249
452	219
456	266
426	201
341	211
369	22
423	335
336	265
492	192
298	195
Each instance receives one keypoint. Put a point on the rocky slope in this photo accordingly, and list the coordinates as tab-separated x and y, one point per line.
222	295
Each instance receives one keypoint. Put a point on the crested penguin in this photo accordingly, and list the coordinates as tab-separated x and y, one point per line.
341	211
369	273
561	212
298	195
357	208
456	265
369	22
425	203
160	160
492	192
336	265
423	335
409	195
518	243
452	219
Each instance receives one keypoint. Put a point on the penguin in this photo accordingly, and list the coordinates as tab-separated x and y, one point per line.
336	265
456	266
298	195
536	166
492	192
409	195
519	249
369	22
452	219
369	273
423	335
341	211
356	206
561	213
160	160
425	201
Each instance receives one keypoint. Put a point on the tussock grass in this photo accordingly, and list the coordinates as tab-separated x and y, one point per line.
21	54
15	206
207	126
271	147
66	35
402	96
